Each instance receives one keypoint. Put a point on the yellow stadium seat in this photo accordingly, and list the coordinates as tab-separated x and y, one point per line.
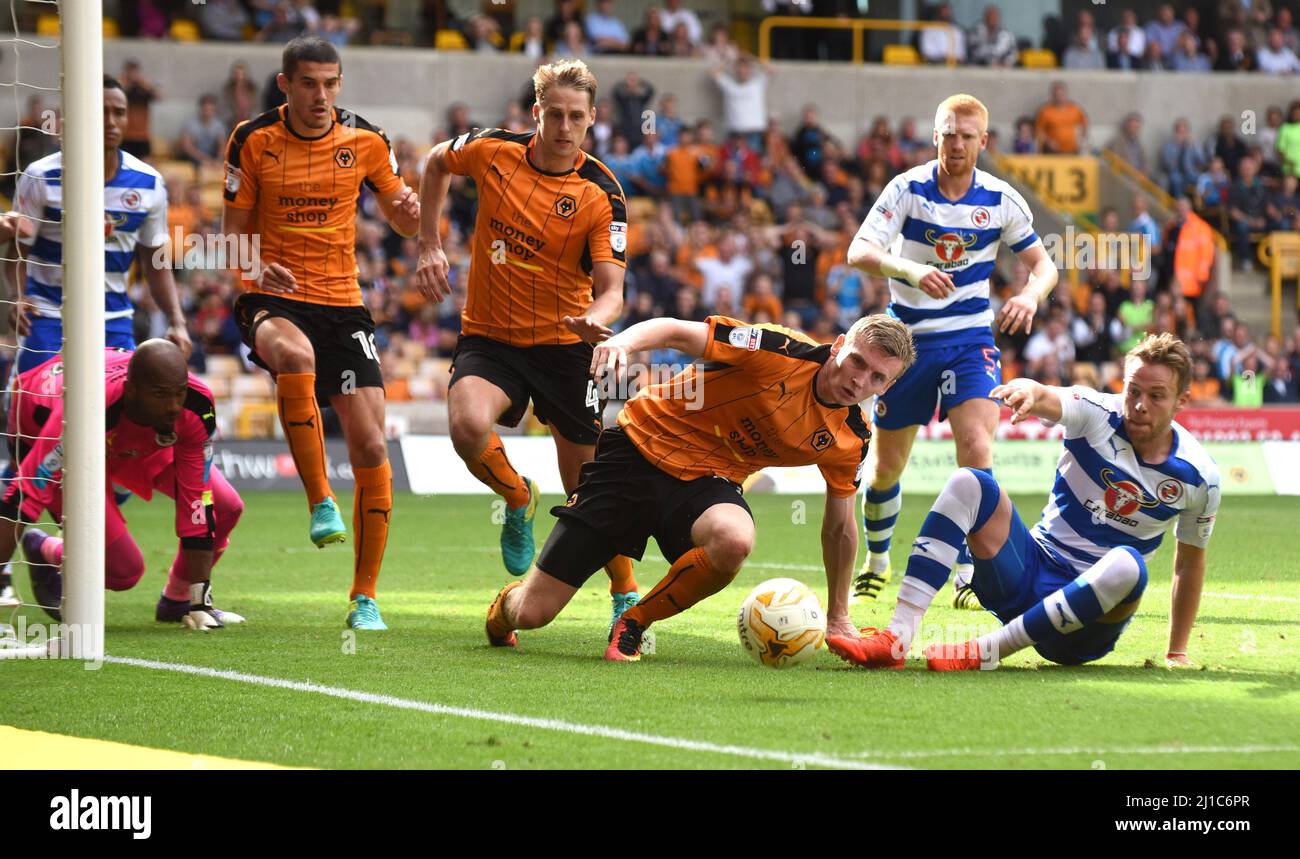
450	40
1038	58
517	40
185	31
111	30
901	55
47	25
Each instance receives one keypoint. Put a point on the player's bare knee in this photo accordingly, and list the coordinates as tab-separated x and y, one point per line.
729	548
294	357
468	436
369	452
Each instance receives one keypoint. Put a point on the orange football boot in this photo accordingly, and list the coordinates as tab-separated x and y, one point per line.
875	649
625	641
953	657
499	633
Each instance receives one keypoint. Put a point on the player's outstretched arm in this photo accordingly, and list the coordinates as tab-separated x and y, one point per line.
1025	397
839	554
611	355
431	269
607	286
870	257
1184	601
1019	311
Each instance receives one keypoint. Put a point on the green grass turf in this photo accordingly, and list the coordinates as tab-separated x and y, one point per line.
443	568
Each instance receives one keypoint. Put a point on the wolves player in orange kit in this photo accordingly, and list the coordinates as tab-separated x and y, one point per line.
545	282
674	466
293	179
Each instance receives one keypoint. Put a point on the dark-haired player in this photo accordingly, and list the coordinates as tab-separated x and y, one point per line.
293	179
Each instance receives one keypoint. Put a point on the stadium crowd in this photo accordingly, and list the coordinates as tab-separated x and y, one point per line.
742	217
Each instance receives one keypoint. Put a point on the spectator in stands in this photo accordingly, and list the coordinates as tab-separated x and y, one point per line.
1122	57
606	30
1205	390
566	12
620	162
680	44
667	123
1051	340
674	14
1156	60
1181	159
648	166
1280	384
1236	55
761	297
238	95
484	35
1165	30
1188	57
1096	332
458	120
1193	252
1061	125
534	44
1127	143
140	94
203	136
1025	142
1227	144
1212	186
939	44
1136	315
632	96
808	142
285	25
1284	205
1143	222
1247	210
991	44
1267	137
223	20
1290	36
729	268
1083	52
744	99
1288	140
652	39
721	50
1136	45
572	43
1248	383
1224	350
1275	58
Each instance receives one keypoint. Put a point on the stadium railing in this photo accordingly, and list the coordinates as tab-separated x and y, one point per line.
1282	254
858	26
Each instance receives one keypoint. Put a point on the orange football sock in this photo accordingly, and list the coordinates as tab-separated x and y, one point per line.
295	397
494	471
621	580
372	507
691	579
499	622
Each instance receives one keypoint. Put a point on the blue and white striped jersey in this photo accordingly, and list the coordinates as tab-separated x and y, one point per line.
1105	496
135	213
912	220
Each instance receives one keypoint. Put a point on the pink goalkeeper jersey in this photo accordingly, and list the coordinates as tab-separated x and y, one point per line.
136	454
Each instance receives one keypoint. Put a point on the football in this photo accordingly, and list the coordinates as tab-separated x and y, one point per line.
781	623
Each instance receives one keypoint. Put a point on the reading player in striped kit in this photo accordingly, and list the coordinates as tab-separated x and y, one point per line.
935	232
1068	586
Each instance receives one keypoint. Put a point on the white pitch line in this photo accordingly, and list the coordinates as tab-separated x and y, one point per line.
560	725
1133	750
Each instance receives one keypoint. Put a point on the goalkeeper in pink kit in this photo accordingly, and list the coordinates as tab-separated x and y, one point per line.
160	423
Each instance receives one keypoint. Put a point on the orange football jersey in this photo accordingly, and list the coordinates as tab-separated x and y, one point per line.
536	237
304	191
749	405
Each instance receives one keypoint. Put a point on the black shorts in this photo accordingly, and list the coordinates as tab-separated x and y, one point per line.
557	378
622	501
342	338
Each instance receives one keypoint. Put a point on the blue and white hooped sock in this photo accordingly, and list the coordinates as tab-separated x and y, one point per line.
879	514
966	503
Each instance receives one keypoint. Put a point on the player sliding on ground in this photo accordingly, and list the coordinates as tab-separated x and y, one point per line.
293	179
948	220
160	422
545	282
674	465
1069	587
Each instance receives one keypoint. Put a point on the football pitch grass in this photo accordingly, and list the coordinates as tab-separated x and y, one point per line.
293	687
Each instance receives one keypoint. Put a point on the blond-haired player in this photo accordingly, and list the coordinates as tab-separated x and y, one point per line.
1068	586
545	283
935	232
